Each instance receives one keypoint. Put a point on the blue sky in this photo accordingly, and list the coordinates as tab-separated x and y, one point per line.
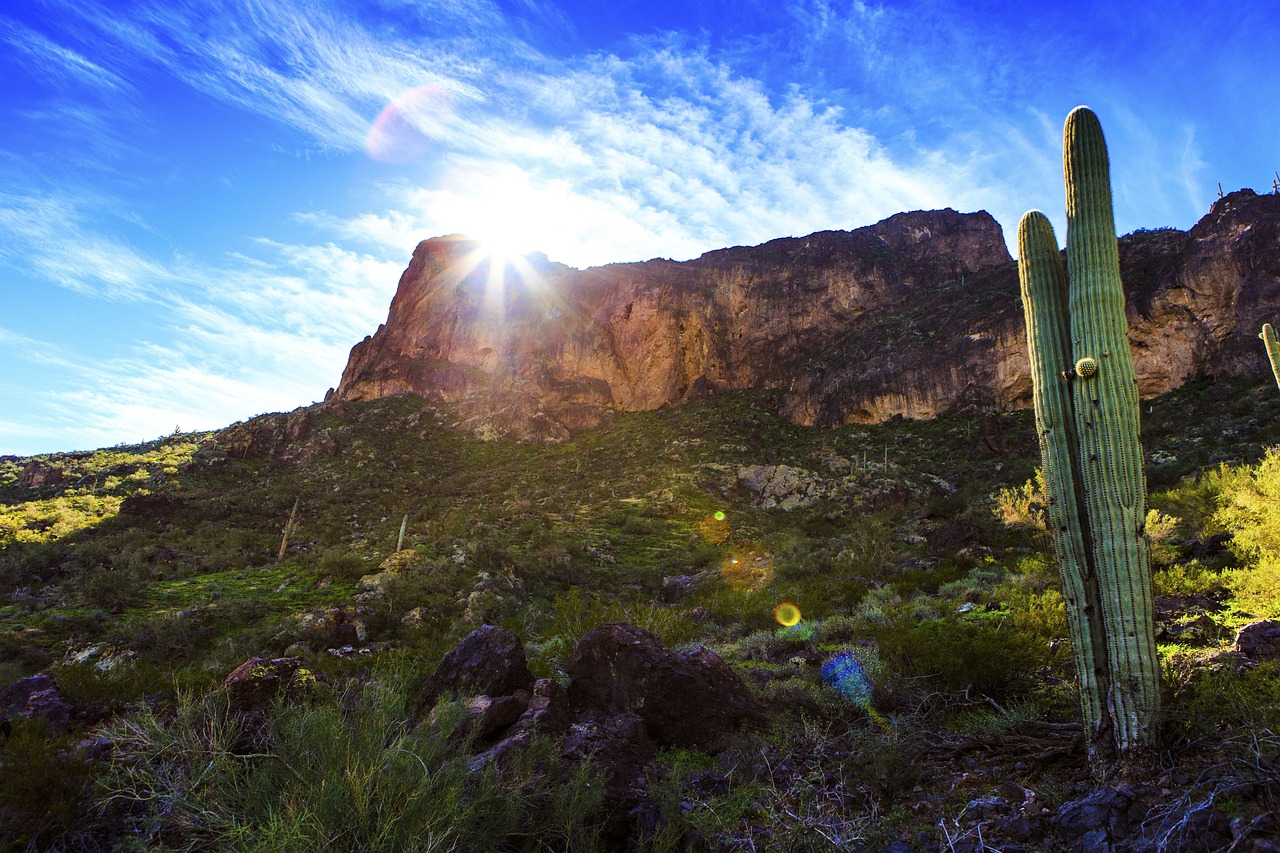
204	205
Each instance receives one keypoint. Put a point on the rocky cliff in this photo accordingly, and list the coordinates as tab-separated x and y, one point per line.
917	315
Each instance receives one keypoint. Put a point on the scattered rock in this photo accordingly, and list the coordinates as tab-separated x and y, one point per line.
691	699
254	684
36	696
37	474
489	661
1097	822
1259	641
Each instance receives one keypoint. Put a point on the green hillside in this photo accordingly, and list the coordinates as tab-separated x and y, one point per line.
144	574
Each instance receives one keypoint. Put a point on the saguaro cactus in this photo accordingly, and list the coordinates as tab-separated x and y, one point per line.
1268	336
1086	403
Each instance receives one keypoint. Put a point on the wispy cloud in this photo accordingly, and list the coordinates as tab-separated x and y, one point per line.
243	336
59	63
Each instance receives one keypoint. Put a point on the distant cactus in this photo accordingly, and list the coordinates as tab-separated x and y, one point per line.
1086	404
1268	336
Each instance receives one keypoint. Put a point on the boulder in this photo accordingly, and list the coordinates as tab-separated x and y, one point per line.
36	696
38	474
484	718
547	714
1259	641
254	685
690	699
489	661
1097	822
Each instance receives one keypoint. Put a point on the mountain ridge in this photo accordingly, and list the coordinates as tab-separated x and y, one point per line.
915	316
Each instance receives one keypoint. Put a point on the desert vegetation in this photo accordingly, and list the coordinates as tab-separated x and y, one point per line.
915	552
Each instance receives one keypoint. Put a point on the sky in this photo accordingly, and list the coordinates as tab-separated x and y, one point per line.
205	205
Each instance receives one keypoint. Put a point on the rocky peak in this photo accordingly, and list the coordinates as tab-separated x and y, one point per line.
917	315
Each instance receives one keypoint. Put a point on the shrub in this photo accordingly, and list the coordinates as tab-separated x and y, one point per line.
341	772
112	589
44	784
1248	507
1023	509
343	565
989	656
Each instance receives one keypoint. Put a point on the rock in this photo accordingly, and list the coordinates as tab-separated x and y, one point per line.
36	696
691	699
37	474
619	748
253	685
1190	828
784	486
484	718
332	627
547	714
1097	822
827	318
489	661
1259	641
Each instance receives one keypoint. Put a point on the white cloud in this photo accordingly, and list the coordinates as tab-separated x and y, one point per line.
58	63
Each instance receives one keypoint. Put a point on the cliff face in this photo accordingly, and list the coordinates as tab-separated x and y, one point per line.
917	315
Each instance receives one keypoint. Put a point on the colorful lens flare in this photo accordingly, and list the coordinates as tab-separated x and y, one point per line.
787	614
714	528
747	568
844	673
406	127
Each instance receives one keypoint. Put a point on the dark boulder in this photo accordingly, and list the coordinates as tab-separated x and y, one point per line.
36	696
489	661
254	685
1259	641
690	699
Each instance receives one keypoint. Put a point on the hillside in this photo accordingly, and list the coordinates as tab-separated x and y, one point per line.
924	701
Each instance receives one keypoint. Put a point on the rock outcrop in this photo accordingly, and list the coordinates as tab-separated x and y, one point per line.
918	316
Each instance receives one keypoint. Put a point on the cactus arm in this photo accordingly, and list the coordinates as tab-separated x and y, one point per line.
1043	281
1106	420
1268	336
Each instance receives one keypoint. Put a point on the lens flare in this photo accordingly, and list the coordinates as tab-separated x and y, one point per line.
787	614
747	568
407	126
845	675
801	632
714	529
719	515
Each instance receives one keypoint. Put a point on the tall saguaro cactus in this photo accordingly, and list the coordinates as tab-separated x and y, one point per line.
1268	335
1086	403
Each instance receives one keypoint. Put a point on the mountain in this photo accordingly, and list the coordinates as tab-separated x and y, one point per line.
917	315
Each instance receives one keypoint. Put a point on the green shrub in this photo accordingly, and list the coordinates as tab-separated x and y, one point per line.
343	565
1190	578
342	772
955	655
1023	510
1207	701
112	589
1249	507
44	785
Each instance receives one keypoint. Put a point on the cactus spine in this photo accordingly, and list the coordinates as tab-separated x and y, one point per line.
1268	336
1086	402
